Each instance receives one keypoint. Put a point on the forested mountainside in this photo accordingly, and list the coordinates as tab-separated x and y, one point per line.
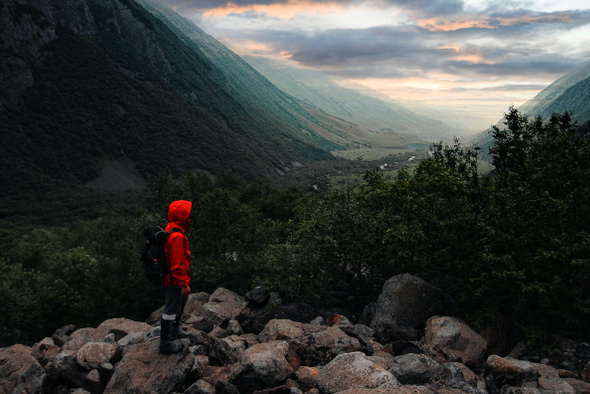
89	84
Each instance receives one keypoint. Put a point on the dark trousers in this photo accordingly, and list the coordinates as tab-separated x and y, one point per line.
175	303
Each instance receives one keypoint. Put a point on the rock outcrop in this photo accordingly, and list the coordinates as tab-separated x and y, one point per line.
332	355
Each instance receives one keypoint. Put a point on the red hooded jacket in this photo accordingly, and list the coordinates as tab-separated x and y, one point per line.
178	254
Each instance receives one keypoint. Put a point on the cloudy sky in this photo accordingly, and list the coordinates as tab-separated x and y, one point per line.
479	56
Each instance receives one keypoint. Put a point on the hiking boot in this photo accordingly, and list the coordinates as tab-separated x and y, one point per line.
167	347
176	332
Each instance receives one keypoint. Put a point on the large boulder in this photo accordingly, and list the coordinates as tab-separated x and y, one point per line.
93	354
223	305
264	365
228	350
20	372
45	350
457	375
519	373
64	367
513	371
322	346
450	339
121	327
404	305
283	329
262	307
416	369
62	334
315	344
307	377
352	371
143	370
79	338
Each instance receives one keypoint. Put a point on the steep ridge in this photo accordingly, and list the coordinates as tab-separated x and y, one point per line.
569	93
88	81
571	89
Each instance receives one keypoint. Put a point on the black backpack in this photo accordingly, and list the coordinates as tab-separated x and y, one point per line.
153	256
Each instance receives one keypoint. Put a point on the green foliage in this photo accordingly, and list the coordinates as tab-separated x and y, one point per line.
514	243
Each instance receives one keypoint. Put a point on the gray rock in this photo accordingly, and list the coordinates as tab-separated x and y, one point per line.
351	371
93	354
265	363
516	371
200	387
405	303
143	370
450	339
120	327
64	367
79	338
223	305
258	296
416	369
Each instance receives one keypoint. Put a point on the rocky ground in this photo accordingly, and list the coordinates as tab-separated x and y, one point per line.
259	343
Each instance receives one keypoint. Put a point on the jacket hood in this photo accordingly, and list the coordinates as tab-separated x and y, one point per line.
179	213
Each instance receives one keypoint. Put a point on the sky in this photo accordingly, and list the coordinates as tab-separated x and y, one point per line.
475	56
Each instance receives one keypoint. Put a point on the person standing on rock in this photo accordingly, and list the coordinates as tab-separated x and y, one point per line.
177	289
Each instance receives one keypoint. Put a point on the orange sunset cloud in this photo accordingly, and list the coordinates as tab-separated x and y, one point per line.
280	10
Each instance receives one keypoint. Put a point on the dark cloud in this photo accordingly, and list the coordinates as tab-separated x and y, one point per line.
505	88
521	67
409	51
430	7
499	42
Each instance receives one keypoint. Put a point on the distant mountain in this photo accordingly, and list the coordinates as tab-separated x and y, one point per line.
379	114
569	93
93	88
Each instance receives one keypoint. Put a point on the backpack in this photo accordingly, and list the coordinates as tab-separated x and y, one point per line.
153	256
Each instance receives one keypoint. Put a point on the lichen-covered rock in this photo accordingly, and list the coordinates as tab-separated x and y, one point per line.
144	370
265	364
515	371
315	344
93	354
20	372
283	329
350	371
200	387
79	338
121	327
45	350
416	369
223	305
228	350
307	377
450	339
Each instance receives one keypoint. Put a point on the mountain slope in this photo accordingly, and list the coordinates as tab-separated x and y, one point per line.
349	104
89	82
569	93
255	91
